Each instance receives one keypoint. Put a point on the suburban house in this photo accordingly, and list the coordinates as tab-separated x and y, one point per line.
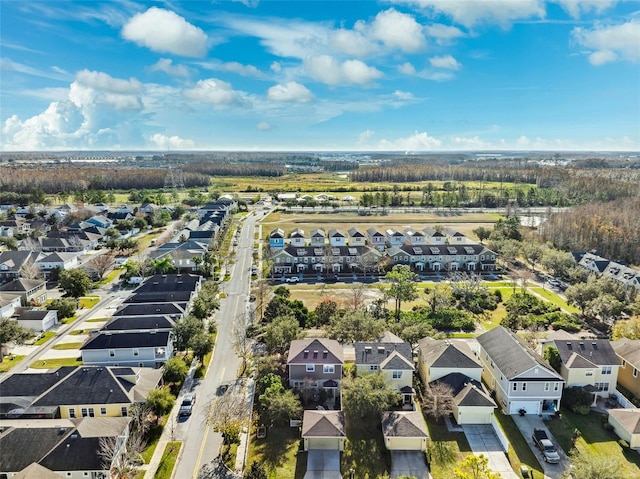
276	238
404	431
36	318
439	357
337	237
621	273
394	237
335	259
376	238
471	403
76	391
394	361
521	379
140	323
174	310
626	424
32	291
66	447
9	302
470	257
52	261
318	238
324	430
589	363
414	237
628	352
356	237
141	349
298	238
316	364
13	262
434	237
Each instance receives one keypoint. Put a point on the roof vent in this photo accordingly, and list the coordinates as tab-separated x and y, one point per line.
74	436
62	430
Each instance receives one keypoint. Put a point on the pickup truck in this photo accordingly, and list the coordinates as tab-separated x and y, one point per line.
542	441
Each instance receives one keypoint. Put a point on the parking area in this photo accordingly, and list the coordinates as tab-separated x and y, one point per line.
483	440
527	424
409	463
323	464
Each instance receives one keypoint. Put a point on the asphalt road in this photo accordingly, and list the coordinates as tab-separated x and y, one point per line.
200	443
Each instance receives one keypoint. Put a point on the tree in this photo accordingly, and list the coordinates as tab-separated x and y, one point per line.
280	332
532	252
281	405
175	370
475	467
403	285
593	466
355	326
367	395
201	345
160	400
629	328
325	311
438	400
227	413
552	356
120	457
558	262
185	330
482	233
66	307
239	340
11	331
101	263
74	282
255	471
439	296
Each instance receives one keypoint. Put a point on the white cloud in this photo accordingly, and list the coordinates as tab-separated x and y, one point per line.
275	67
264	126
407	68
92	88
165	31
8	65
403	95
443	33
214	91
419	141
577	7
447	62
470	13
463	143
399	31
353	42
291	91
327	69
364	137
610	43
234	67
166	65
171	142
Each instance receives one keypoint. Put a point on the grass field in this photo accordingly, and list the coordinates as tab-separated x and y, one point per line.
65	346
45	337
55	363
594	439
88	302
456	441
278	453
168	461
9	362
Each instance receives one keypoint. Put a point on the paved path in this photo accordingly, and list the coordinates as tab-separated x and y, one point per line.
482	440
409	463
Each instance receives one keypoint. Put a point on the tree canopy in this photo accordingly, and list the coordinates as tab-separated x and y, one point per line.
367	395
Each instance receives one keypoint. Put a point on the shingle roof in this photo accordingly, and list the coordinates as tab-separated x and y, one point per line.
169	282
384	353
628	418
510	354
592	352
629	350
36	471
323	424
23	446
397	362
15	259
150	309
22	285
442	353
311	351
160	297
404	424
27	384
139	323
127	340
466	391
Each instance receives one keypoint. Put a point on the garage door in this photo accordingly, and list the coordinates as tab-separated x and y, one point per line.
532	407
474	415
324	443
405	443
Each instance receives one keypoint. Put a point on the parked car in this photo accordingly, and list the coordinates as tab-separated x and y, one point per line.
252	297
554	282
542	441
293	279
186	408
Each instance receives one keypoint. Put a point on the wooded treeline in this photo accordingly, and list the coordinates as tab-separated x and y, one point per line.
611	228
68	178
237	169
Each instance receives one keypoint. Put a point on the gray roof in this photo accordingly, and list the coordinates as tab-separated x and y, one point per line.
160	297
404	424
315	351
15	259
127	340
23	446
22	285
629	350
169	282
443	353
31	384
139	323
510	354
466	391
384	354
586	353
151	309
36	471
323	424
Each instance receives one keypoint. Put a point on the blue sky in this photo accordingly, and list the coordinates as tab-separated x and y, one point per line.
405	75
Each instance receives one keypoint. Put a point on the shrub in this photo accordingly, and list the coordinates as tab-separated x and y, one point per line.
577	400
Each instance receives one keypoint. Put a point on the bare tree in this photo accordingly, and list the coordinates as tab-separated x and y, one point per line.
358	292
239	340
29	270
263	291
228	412
121	454
30	244
101	263
438	400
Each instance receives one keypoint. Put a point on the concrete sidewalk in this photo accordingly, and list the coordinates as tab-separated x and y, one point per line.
482	440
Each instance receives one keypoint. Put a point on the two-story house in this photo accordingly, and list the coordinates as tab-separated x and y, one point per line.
318	238
48	262
337	237
589	363
276	238
393	360
521	379
394	237
9	302
376	238
316	364
12	263
141	349
356	237
414	237
628	352
32	291
298	238
434	237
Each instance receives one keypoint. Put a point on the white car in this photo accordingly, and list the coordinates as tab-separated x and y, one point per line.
293	279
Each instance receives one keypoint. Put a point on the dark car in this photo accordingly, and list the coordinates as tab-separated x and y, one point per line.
187	405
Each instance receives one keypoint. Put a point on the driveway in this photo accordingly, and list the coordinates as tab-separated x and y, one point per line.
527	424
483	440
323	464
409	463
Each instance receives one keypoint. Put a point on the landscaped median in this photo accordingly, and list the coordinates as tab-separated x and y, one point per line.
168	461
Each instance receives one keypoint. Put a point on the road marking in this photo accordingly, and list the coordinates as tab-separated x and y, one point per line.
204	442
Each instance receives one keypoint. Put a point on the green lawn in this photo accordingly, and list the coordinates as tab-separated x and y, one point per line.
69	320
9	362
54	363
153	436
78	332
97	320
364	449
555	299
594	439
456	441
278	452
88	302
168	461
64	346
45	337
519	452
111	276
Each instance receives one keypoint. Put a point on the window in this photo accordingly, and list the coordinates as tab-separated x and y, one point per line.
112	353
524	386
310	368
328	369
136	352
556	387
606	370
72	412
602	387
123	411
92	412
515	386
396	374
547	386
373	367
635	373
103	411
588	372
624	364
85	412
